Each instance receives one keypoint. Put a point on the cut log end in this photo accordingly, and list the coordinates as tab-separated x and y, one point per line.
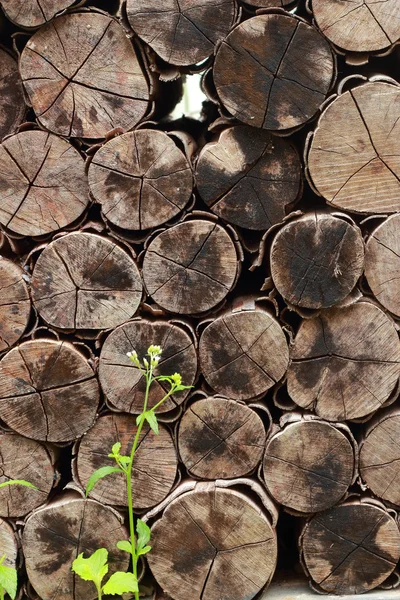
33	13
8	545
15	304
12	103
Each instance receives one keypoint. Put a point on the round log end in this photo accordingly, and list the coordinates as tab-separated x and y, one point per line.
12	102
33	13
15	304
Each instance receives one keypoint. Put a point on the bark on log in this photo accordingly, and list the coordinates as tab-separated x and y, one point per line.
12	103
123	384
316	260
191	267
54	536
15	304
83	77
43	185
273	71
353	160
48	391
184	32
220	439
345	362
85	281
382	263
141	179
249	177
351	548
33	13
8	544
243	354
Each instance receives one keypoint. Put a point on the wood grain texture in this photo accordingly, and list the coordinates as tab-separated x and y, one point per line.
141	179
85	281
43	185
182	32
345	363
249	177
242	355
8	544
33	13
83	77
123	384
316	260
48	391
354	157
191	267
273	71
15	304
12	103
192	557
269	3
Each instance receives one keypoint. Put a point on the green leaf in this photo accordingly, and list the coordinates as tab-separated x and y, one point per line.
18	482
99	474
180	388
152	420
124	460
9	580
144	550
125	546
144	534
164	378
138	419
121	583
93	568
116	448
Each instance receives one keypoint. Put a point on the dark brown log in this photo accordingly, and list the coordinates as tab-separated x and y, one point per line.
269	3
15	305
54	536
316	260
351	548
191	267
182	32
123	384
83	77
353	159
43	186
309	465
12	103
345	362
48	391
141	179
8	544
33	13
154	468
220	439
85	281
243	354
382	263
249	177
273	71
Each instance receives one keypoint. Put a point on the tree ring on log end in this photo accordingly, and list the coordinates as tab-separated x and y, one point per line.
141	179
316	260
243	354
345	363
354	157
248	177
48	391
33	13
273	71
12	102
83	77
123	384
85	281
15	304
191	267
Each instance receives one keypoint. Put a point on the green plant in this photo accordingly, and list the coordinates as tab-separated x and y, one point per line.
95	567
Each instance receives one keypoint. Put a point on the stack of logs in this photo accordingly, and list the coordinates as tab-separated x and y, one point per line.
258	246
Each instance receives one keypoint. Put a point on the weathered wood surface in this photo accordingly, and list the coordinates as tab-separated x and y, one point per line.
85	281
345	362
43	185
124	385
8	544
141	179
12	103
33	13
15	304
354	157
249	177
273	71
83	77
48	391
269	3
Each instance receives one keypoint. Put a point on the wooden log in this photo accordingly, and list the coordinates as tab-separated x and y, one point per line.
382	263
8	544
12	103
83	77
184	32
351	548
220	439
191	267
345	362
141	179
269	3
15	304
249	177
48	391
273	71
316	260
54	536
154	469
243	354
33	13
123	384
353	157
43	185
85	281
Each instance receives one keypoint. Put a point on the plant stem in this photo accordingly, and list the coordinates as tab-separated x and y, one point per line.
99	595
1	592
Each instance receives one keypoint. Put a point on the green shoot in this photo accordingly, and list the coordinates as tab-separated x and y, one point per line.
8	580
18	482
